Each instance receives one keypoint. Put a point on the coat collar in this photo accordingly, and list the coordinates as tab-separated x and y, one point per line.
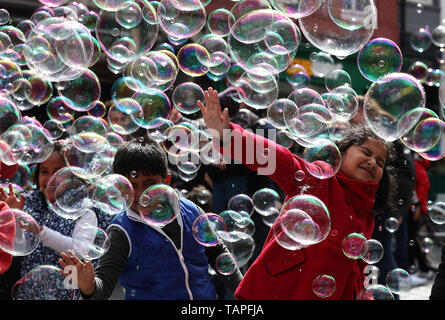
359	194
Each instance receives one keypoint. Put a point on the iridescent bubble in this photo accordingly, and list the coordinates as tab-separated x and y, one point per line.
391	224
436	212
240	244
323	286
341	42
225	264
206	227
120	116
418	70
427	133
159	205
379	58
351	19
114	193
154	104
179	21
297	76
376	292
67	190
54	128
427	244
438	36
434	77
374	251
43	282
322	63
98	110
10	73
282	237
236	222
121	37
337	78
185	97
354	246
219	21
157	129
256	92
411	120
388	99
57	109
9	114
180	140
4	16
266	202
275	113
19	232
398	280
299	226
300	175
88	124
82	92
318	222
421	40
90	241
323	160
190	59
241	203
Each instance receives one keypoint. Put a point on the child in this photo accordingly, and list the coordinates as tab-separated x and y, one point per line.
362	183
55	232
151	263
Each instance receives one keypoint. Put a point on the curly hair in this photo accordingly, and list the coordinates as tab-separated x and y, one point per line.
385	196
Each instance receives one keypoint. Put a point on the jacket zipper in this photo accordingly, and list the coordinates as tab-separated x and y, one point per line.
178	252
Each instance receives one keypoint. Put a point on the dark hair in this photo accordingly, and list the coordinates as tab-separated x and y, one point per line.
195	196
59	146
141	154
385	196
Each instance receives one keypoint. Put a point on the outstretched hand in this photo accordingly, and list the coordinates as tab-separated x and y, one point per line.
11	199
215	119
84	277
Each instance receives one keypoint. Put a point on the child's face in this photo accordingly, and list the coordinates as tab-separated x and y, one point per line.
365	162
141	182
48	167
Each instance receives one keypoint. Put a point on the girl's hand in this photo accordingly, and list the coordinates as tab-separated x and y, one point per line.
84	278
11	199
215	119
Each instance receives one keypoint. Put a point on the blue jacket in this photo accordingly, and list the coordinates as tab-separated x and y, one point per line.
156	269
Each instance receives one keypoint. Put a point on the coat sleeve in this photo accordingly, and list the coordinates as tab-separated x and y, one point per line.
422	186
267	158
7	234
438	288
7	171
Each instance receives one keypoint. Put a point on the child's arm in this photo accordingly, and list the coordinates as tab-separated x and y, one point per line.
257	153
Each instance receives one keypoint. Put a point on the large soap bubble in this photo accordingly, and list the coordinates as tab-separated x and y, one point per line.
128	32
114	193
90	241
43	282
324	32
159	205
19	232
388	100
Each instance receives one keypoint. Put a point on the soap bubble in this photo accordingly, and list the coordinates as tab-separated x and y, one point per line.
90	241
436	212
354	246
67	193
154	104
159	205
185	97
120	116
391	224
337	78
122	35
438	36
296	9
379	58
266	201
241	203
376	292
418	70
398	280
157	129
323	286
297	76
427	245
240	244
323	160
339	41
308	220
114	193
191	57
421	40
180	140
237	221
340	13
206	227
19	232
219	21
389	99
225	264
374	251
43	282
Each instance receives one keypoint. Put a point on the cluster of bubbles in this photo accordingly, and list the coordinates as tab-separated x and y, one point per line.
48	60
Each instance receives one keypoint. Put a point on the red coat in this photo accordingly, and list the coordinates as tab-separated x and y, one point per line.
422	183
282	274
7	233
7	171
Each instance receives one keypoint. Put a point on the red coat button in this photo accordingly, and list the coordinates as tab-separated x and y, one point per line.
369	189
333	233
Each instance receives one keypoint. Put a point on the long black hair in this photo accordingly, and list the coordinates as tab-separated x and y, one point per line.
385	196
